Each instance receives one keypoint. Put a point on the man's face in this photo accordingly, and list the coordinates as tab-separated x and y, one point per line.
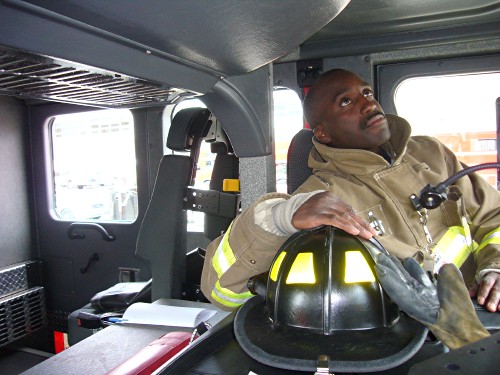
350	115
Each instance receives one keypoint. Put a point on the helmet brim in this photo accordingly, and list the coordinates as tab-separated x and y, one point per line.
297	349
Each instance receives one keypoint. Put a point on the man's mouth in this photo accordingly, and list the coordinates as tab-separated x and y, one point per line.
373	120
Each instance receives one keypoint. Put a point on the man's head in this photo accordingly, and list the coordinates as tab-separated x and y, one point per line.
343	113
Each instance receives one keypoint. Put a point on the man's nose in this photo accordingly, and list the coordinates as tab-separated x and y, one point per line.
368	105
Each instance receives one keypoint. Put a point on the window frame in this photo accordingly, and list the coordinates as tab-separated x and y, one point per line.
51	171
388	77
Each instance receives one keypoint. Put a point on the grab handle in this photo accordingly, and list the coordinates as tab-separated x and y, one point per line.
73	227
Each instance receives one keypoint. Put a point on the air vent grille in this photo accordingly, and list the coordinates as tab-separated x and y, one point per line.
32	76
21	314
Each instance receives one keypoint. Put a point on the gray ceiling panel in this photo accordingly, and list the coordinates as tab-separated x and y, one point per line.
227	36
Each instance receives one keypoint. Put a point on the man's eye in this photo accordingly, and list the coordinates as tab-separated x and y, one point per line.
345	102
368	93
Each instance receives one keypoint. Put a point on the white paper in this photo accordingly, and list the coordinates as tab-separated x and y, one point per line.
163	315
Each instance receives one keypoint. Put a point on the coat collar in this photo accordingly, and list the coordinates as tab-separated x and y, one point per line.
361	162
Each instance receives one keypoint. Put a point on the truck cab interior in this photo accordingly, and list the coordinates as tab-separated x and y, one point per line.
106	107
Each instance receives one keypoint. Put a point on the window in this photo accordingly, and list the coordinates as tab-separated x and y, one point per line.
459	110
288	120
94	166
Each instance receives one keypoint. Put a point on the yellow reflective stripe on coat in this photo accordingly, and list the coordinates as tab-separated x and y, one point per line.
491	238
222	260
223	257
454	247
228	298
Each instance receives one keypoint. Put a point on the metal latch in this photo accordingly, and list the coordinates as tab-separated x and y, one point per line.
322	367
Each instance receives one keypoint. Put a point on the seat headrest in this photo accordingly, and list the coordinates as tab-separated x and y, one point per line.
187	125
298	153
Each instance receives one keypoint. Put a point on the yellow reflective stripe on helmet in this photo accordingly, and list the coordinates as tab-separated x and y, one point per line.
223	257
276	266
491	238
357	269
454	246
228	298
302	270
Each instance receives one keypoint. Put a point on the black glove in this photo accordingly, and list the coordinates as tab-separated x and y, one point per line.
409	287
446	309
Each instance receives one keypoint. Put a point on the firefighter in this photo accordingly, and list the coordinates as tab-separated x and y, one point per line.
366	166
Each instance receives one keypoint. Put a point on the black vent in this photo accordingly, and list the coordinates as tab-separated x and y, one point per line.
32	76
21	314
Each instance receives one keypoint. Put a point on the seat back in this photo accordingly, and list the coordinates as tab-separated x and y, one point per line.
220	204
162	235
297	170
226	166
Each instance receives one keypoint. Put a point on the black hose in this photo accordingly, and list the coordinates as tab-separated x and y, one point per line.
432	196
443	185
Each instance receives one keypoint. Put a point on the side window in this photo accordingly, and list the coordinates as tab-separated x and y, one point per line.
459	110
288	120
94	166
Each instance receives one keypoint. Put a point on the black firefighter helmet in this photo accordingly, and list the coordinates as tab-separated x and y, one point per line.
323	301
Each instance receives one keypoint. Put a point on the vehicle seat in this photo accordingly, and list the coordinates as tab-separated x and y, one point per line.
226	166
297	170
220	204
162	235
163	232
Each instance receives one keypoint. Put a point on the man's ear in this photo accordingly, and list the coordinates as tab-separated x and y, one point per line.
321	135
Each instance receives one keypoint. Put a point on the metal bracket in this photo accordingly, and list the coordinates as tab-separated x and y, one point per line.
212	202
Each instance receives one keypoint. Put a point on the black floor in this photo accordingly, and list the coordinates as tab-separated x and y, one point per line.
14	361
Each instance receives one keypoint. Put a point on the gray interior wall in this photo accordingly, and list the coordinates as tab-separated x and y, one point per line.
365	65
15	232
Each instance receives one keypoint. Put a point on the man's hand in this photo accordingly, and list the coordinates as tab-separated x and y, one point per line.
328	209
488	291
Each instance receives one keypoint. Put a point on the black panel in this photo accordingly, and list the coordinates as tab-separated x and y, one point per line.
481	357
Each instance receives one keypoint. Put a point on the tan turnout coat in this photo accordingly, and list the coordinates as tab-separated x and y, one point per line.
371	184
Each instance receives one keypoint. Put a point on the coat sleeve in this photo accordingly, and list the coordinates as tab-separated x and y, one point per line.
245	250
485	226
482	205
